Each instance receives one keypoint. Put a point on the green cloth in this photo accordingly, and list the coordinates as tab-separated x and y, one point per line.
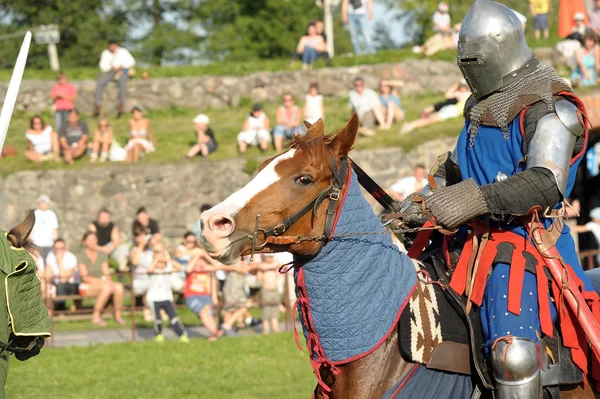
22	310
94	268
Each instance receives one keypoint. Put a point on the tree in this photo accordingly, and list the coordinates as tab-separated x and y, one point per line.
382	37
85	26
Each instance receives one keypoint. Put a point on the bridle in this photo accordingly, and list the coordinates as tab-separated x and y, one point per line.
274	235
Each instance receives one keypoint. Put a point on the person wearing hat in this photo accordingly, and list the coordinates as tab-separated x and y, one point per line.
441	19
579	28
205	137
45	229
256	130
73	137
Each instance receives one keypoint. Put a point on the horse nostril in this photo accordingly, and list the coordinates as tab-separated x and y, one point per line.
222	223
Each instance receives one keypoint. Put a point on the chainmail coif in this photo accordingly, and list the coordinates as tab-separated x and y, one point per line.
538	82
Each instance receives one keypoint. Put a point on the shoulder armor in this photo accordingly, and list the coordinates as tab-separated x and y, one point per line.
552	146
569	115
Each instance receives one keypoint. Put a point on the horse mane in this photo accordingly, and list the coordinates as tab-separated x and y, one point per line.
316	146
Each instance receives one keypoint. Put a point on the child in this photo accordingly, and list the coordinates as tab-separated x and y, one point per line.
160	295
201	290
270	298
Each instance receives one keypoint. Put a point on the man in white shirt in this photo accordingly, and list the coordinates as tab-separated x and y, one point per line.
357	14
61	269
441	19
408	185
115	62
45	229
367	106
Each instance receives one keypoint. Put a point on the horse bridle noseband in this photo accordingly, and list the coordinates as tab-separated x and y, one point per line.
333	192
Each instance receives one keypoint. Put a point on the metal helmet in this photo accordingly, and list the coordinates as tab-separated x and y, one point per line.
491	47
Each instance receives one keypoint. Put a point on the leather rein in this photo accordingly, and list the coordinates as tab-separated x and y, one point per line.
274	235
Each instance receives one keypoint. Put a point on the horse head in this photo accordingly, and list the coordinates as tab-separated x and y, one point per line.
289	196
18	235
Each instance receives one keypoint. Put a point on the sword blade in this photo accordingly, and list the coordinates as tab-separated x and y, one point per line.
13	89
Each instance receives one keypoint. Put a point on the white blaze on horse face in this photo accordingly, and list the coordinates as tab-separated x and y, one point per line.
238	200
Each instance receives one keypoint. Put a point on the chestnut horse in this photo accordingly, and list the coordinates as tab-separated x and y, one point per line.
293	205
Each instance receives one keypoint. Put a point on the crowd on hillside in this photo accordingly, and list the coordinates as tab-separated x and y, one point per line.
69	271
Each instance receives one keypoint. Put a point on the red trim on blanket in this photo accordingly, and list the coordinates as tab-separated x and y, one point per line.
382	340
410	374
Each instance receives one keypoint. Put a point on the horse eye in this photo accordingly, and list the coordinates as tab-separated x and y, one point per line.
304	180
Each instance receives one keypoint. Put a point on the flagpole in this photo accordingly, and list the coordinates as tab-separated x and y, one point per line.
13	89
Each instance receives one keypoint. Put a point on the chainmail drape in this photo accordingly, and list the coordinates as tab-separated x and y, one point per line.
537	83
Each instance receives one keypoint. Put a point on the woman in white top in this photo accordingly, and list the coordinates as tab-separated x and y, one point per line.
256	130
140	136
43	142
313	107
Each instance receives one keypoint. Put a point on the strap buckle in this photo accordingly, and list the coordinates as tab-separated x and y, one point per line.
334	194
279	229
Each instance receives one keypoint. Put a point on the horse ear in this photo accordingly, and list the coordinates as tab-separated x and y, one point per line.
307	124
316	129
17	236
344	140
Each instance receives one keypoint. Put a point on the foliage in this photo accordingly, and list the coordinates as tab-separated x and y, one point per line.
249	367
383	38
85	25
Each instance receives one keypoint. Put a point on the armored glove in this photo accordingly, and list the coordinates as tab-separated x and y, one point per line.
34	345
457	204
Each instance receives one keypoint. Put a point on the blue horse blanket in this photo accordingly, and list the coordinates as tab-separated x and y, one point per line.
352	293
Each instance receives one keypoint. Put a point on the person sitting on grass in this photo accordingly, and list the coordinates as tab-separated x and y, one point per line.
588	62
96	280
73	137
289	122
256	130
365	103
42	140
201	290
389	98
310	46
205	138
270	299
160	294
451	111
103	137
140	136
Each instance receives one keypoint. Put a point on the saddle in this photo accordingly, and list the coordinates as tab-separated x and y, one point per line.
436	330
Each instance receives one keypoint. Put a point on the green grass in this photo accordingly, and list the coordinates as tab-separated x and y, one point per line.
234	68
174	133
248	367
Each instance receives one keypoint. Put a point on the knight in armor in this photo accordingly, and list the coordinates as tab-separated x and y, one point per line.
524	135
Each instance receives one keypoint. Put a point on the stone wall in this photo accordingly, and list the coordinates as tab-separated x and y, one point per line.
222	91
171	192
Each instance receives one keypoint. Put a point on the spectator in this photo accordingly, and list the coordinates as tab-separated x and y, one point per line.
146	223
594	16
63	94
367	106
234	296
205	138
140	258
115	63
357	13
588	62
388	96
61	269
140	136
270	298
451	98
441	20
579	29
411	184
539	11
594	227
42	140
461	93
313	105
97	283
256	130
439	42
187	249
109	238
160	295
288	121
220	274
45	229
320	26
310	45
73	137
103	138
201	291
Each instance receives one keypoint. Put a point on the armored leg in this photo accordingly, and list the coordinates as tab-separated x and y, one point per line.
517	364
